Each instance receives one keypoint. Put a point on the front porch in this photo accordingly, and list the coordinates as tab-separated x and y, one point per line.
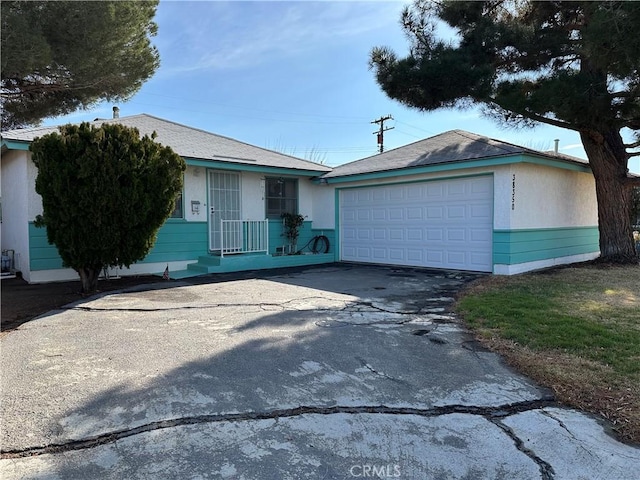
249	261
258	245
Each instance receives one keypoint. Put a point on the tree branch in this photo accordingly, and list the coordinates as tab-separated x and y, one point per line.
632	145
631	181
551	121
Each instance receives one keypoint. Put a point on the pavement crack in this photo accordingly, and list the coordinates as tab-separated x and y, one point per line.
546	470
376	372
493	413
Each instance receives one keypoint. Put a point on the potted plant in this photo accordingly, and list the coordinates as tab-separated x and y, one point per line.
292	223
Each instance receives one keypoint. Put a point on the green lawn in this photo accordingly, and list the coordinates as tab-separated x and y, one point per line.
576	330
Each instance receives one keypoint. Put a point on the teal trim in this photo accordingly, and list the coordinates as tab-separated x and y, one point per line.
220	165
442	167
406	182
512	247
177	240
15	145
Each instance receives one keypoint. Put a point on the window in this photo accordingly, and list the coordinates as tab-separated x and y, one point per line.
281	196
178	211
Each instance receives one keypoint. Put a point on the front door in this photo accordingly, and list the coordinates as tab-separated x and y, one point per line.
224	204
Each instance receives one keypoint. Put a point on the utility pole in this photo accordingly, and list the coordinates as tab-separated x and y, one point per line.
380	132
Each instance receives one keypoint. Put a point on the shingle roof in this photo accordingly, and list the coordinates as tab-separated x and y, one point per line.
454	146
190	142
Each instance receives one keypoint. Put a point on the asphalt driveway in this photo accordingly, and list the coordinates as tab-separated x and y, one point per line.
326	373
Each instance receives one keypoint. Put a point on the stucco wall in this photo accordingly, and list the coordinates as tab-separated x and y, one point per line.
548	197
324	206
195	189
15	206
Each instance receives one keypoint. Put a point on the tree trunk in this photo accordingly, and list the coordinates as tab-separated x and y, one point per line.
89	278
608	160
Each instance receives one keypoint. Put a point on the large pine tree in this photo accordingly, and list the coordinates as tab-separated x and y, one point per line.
573	65
58	57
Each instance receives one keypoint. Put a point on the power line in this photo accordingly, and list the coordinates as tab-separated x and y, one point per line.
380	132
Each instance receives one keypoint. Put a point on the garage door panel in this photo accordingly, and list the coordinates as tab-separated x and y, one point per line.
480	235
415	256
363	234
378	214
443	224
456	234
415	234
481	211
434	234
396	214
396	254
379	234
456	211
457	257
414	213
396	234
434	213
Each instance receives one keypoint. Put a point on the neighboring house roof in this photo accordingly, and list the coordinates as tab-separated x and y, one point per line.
189	142
454	146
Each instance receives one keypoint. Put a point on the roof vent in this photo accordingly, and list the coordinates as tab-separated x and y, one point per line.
557	142
116	112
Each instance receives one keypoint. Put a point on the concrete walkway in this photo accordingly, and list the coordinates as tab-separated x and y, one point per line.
327	373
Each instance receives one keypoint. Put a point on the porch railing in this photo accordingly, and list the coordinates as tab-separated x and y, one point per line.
244	236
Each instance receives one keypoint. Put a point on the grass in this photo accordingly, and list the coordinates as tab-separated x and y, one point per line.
575	330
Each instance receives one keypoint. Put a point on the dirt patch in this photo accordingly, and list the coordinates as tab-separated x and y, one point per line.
22	302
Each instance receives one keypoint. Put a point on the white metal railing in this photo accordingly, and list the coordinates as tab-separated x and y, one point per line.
244	236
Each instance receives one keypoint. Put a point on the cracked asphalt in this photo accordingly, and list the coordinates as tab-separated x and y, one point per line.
326	373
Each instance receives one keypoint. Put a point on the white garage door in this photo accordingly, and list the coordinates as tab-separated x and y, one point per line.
442	224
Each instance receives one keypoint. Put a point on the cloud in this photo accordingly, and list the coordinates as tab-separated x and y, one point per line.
224	36
572	146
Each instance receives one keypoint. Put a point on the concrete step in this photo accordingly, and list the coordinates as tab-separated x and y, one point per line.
209	260
201	269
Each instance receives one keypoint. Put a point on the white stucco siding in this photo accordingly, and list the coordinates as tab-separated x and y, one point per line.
253	203
34	199
324	207
547	197
15	206
195	190
305	198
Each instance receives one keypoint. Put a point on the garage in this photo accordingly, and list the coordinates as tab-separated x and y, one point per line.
438	223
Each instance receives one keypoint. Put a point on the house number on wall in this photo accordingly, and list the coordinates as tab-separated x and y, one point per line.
513	192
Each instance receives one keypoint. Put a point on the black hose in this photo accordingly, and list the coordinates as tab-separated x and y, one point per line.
319	240
317	243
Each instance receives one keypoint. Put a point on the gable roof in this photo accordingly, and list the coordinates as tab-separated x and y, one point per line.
454	146
189	142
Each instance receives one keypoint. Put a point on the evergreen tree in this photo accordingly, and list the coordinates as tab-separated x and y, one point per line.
105	193
573	65
58	57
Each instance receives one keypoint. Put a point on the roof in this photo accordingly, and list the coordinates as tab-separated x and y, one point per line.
454	146
189	142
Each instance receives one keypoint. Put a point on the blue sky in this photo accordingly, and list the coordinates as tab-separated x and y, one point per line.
294	77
